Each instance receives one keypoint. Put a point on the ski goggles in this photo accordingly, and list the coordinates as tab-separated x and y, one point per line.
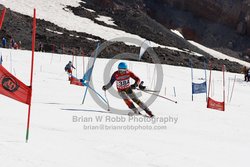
122	70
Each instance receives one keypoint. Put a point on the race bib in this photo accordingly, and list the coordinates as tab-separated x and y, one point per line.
123	84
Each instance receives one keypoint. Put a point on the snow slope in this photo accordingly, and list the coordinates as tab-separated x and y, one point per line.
219	55
200	137
57	9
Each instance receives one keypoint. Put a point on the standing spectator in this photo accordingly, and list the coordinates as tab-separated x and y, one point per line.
248	74
12	42
19	45
1	60
245	72
40	49
15	45
4	42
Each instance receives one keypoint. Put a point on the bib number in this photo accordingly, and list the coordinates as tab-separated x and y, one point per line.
123	84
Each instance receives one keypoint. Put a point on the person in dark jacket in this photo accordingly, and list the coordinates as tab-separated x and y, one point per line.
248	74
245	72
12	42
68	68
4	42
1	60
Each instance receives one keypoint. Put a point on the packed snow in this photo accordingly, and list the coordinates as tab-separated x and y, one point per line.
60	134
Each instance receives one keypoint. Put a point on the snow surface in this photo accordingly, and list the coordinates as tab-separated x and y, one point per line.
56	32
90	10
106	19
201	137
219	55
177	33
210	51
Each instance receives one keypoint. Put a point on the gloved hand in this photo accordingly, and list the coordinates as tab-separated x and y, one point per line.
104	88
134	86
141	87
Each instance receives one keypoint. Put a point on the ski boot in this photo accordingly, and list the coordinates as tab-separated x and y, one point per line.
150	114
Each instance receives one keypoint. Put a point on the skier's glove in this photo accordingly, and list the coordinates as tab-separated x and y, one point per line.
134	86
104	88
141	87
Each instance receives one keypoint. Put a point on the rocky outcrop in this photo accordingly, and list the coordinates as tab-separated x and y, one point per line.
235	14
213	23
245	17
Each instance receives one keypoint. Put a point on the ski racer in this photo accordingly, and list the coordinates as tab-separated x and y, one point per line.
68	69
122	77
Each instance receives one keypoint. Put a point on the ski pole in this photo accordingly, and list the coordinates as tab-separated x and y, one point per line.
107	100
159	96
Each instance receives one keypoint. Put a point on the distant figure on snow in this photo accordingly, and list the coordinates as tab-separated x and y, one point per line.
68	69
12	42
19	44
40	47
245	72
15	45
4	42
1	60
248	74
